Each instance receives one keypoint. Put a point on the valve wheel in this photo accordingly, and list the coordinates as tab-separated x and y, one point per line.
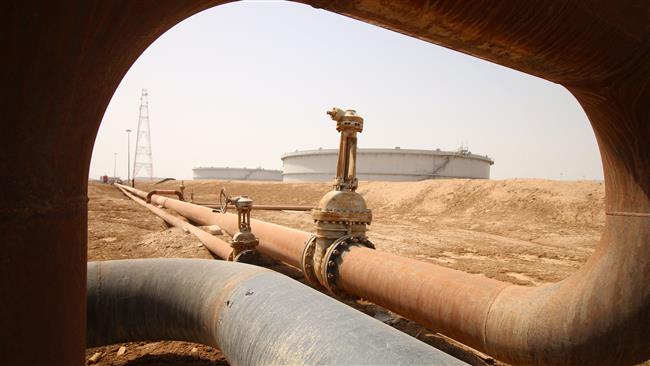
223	201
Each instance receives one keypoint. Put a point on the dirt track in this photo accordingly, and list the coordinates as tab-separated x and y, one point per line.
526	232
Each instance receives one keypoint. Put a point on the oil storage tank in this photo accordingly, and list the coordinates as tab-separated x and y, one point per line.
227	173
387	165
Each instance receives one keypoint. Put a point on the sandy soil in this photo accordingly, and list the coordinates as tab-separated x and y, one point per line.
525	232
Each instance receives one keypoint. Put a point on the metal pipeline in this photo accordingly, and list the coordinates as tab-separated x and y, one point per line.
607	300
276	241
215	245
261	207
254	315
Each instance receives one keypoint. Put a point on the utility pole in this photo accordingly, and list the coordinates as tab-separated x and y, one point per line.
128	155
114	165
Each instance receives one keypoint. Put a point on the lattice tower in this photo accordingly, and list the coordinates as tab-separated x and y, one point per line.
143	160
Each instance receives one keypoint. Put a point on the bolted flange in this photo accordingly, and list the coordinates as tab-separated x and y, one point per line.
333	258
307	262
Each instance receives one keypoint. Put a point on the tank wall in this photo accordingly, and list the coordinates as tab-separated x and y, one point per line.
391	165
237	174
310	168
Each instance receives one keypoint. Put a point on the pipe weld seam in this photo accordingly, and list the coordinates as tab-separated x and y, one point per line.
487	313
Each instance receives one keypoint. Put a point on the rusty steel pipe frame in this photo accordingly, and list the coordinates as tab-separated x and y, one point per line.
218	247
598	50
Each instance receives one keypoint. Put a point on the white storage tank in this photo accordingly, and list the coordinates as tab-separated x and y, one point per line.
258	174
387	165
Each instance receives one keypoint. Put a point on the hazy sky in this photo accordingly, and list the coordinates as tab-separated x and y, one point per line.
241	84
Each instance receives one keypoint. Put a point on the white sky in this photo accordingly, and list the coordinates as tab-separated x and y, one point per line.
241	84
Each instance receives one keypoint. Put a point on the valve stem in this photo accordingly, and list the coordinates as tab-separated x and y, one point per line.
348	123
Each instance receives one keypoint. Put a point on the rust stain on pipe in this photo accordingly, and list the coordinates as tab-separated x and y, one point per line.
452	302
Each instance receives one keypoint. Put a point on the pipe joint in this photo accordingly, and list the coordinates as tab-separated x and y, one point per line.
328	266
333	258
307	262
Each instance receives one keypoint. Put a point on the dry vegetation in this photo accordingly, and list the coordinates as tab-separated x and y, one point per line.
526	232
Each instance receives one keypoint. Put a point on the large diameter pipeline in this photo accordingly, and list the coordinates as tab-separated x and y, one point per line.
254	315
276	241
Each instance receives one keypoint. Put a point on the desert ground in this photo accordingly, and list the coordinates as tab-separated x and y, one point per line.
523	231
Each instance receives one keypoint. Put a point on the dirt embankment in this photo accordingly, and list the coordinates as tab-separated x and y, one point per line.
522	231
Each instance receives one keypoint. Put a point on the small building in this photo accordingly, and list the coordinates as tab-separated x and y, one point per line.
387	165
227	173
